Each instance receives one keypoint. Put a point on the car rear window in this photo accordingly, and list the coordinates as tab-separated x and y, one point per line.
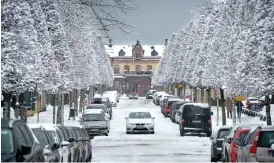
171	102
222	133
266	139
42	138
242	135
178	106
191	110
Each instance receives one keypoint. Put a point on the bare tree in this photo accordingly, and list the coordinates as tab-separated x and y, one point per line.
102	15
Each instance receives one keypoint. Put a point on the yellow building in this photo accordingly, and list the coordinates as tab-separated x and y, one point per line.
133	66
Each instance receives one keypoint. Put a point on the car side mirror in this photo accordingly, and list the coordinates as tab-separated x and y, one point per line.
55	146
25	150
64	143
211	113
71	139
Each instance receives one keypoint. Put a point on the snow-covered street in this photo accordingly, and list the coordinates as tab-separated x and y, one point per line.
165	145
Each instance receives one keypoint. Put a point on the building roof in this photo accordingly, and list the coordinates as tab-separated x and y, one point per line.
115	49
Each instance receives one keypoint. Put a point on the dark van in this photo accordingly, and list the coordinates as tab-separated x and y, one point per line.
196	118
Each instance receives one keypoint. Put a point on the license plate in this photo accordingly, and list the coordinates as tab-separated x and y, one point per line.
139	127
272	153
94	129
196	121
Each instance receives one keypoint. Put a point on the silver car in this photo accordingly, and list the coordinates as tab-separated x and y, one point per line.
95	122
139	122
258	145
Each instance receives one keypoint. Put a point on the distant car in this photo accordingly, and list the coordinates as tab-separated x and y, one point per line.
133	96
217	142
257	146
96	123
175	107
139	122
99	106
196	118
87	144
150	93
18	143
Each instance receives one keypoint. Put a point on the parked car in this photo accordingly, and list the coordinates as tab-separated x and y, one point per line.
226	147
96	123
167	109
113	102
87	143
178	115
175	107
79	140
73	151
50	147
257	146
56	135
133	95
108	104
139	122
217	142
76	145
196	117
100	107
18	143
157	96
150	93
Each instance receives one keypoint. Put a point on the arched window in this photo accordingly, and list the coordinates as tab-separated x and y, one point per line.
126	69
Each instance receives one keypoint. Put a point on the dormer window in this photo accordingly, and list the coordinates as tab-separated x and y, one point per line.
154	53
122	53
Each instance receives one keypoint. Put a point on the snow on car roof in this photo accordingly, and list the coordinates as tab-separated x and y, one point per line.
34	125
35	138
48	126
97	96
93	111
198	104
175	99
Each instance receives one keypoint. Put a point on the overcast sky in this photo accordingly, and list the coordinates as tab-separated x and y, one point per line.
155	20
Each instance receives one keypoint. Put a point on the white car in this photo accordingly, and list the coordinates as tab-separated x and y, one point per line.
178	115
138	122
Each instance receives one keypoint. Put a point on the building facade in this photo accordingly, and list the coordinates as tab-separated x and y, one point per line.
133	66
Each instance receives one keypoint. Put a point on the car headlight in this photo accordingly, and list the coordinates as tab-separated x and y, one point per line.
131	123
149	124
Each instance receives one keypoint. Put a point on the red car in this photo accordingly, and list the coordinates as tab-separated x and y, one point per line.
168	106
240	133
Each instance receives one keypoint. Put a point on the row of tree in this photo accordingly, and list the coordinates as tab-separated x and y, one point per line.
227	43
53	46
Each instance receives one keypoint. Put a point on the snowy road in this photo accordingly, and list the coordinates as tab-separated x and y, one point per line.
165	145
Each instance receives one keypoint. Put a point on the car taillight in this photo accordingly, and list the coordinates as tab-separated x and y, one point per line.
182	121
253	148
209	121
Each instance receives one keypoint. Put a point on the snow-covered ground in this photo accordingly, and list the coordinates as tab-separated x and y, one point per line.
165	145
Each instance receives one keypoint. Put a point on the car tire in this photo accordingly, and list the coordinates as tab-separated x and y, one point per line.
208	134
127	132
182	132
106	134
213	160
152	132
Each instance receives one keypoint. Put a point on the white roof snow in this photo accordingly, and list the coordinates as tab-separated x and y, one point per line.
93	111
115	49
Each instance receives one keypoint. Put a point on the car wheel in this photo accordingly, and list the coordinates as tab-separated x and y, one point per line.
152	132
127	132
208	134
106	134
213	160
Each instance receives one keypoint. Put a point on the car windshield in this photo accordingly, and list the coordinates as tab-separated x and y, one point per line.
93	117
52	135
178	106
266	139
139	115
6	141
222	133
191	110
42	138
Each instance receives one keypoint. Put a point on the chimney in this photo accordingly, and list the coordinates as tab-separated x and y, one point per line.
110	42
166	42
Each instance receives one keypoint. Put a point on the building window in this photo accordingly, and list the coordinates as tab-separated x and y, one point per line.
116	84
138	68
122	53
149	67
126	69
138	55
116	69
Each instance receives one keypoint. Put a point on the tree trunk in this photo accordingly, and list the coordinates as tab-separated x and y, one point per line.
75	102
49	98
184	92
223	107
82	98
195	95
91	91
272	100
209	98
54	98
59	109
62	108
7	102
267	109
70	99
